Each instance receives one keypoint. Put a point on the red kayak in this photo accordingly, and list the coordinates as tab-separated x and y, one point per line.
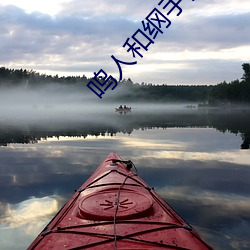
116	209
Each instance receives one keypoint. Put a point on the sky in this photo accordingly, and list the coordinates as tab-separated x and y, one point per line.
206	44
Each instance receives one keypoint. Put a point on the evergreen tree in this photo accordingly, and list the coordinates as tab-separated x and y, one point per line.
246	69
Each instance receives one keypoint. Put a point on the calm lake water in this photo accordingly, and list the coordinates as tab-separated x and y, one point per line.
197	160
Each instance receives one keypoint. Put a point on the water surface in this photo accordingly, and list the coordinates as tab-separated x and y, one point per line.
193	158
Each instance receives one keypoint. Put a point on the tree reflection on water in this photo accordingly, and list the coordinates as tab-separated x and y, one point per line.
234	121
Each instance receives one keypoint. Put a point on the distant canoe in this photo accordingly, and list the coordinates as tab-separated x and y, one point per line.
126	110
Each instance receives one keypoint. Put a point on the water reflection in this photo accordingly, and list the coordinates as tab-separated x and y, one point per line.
33	209
195	166
111	123
21	221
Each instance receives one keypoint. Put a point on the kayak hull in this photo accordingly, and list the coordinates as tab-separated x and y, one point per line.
116	209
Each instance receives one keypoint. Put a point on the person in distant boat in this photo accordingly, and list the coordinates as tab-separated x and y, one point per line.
120	107
125	106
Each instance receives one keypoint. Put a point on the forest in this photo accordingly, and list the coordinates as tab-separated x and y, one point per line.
224	93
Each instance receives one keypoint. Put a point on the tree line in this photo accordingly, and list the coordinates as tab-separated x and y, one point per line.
31	78
236	91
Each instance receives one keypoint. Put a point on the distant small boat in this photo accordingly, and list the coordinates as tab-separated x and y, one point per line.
125	110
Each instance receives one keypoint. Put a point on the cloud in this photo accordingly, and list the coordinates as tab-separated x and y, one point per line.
211	33
131	9
82	36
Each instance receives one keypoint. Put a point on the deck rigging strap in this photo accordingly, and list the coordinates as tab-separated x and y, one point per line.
129	164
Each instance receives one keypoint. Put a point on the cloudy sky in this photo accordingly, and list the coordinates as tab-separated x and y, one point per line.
206	44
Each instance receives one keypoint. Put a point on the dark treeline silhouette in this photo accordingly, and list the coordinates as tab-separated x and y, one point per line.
162	93
236	91
31	78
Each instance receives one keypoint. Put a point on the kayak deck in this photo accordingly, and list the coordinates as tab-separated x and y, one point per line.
116	209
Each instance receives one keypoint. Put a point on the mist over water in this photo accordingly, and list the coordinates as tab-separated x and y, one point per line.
64	103
52	138
47	102
56	110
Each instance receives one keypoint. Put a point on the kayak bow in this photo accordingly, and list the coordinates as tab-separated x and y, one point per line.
116	209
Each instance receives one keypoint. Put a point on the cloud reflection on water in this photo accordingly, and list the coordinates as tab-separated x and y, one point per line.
208	184
29	211
21	222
